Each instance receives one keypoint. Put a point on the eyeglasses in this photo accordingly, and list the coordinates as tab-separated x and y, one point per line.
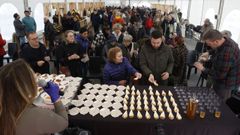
36	38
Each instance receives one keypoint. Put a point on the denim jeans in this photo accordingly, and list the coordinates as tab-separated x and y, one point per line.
22	41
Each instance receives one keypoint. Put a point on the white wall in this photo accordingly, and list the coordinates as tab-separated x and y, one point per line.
7	9
231	5
38	13
210	4
196	12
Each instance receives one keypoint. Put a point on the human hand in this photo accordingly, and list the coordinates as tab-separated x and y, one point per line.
151	78
93	46
75	56
137	76
122	82
47	58
203	57
70	57
40	63
165	75
199	66
52	90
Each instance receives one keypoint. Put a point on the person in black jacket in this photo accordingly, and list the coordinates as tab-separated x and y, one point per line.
19	29
35	54
49	33
69	54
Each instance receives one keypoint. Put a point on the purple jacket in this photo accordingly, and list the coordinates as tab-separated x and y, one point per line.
113	73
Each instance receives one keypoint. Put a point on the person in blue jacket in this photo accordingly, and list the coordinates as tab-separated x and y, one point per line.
85	46
118	70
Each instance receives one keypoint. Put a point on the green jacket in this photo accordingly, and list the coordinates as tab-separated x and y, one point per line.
156	61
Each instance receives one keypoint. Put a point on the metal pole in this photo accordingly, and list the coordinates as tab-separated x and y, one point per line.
25	4
220	11
174	3
202	11
189	9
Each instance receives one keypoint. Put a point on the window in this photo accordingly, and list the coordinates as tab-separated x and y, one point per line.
38	16
141	3
6	22
210	15
231	23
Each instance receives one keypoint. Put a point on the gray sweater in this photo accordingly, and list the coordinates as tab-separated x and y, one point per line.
156	61
39	121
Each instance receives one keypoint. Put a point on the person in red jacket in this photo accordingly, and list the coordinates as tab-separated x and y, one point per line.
148	24
2	51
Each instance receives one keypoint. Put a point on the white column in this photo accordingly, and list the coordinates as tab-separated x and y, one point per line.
84	4
25	2
67	5
202	11
220	11
76	3
189	9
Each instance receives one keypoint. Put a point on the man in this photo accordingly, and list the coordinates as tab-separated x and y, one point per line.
156	60
29	22
19	29
35	54
85	45
225	71
49	33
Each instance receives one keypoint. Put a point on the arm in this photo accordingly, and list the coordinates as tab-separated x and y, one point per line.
107	78
222	65
35	25
131	70
104	52
49	121
143	63
18	25
170	62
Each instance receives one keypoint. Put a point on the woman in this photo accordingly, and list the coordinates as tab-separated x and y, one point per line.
130	50
69	54
117	32
118	69
180	55
18	114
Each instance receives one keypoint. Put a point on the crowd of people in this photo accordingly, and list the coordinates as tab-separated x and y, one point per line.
133	43
151	41
127	28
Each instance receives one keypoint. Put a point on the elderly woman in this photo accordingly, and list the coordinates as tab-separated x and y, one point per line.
118	70
130	49
117	32
70	54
